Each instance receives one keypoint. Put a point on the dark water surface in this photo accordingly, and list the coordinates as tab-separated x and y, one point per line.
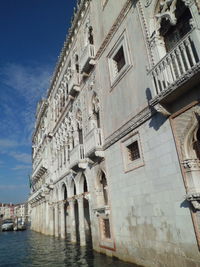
33	249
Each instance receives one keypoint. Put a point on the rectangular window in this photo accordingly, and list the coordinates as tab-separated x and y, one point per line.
133	151
106	228
119	60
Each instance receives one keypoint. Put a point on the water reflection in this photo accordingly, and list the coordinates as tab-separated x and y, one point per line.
30	249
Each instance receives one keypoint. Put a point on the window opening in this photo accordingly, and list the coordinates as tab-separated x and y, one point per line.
197	144
119	60
76	63
173	33
106	228
104	187
90	37
85	188
74	190
133	151
80	136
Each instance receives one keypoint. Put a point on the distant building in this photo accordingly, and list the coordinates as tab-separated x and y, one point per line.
8	211
2	209
116	146
21	211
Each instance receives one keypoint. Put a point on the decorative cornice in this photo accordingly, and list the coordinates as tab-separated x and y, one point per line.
81	6
114	28
43	104
129	126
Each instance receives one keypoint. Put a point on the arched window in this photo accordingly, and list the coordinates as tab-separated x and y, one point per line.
85	187
79	126
77	63
196	143
74	189
65	192
90	35
104	185
95	110
174	19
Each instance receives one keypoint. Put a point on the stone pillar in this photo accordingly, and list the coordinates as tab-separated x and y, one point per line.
62	220
51	219
81	221
56	220
72	219
47	230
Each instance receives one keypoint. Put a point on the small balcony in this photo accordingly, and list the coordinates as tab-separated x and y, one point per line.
94	144
174	74
40	169
77	158
74	84
87	58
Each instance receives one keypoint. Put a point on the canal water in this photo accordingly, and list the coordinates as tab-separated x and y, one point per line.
30	249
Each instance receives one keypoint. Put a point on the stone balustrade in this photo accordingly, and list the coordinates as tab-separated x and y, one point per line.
177	63
93	142
77	156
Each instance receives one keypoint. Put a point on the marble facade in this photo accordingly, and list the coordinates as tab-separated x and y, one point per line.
116	146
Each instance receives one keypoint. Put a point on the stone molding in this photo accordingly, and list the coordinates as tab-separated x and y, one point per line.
102	211
132	124
194	199
191	164
114	28
39	113
144	26
78	15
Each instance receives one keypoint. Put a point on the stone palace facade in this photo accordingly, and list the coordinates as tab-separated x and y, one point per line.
116	146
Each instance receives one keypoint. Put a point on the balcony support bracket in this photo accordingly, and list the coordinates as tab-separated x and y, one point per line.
161	109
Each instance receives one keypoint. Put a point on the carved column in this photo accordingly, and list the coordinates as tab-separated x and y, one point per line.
81	221
192	167
62	220
72	219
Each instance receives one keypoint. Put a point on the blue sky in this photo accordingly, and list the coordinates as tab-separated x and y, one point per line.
32	35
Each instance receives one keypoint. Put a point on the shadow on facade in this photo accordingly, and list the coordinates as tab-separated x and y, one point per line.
157	119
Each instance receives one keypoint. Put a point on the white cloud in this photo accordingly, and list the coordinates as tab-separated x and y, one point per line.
7	143
13	187
22	157
30	81
21	167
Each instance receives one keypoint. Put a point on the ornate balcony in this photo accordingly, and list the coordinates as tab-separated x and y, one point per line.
74	84
174	74
93	144
77	158
87	58
40	170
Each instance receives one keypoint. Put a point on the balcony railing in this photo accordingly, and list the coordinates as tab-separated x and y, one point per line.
93	143
177	63
77	156
87	58
73	84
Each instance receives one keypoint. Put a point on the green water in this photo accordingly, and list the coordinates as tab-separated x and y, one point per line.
32	249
